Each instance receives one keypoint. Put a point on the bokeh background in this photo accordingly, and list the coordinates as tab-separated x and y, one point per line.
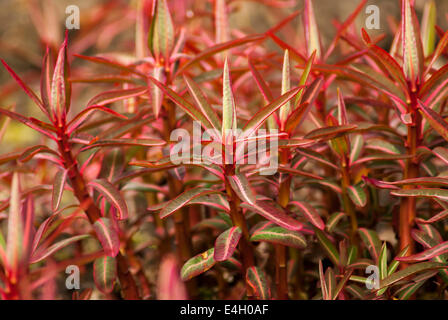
108	26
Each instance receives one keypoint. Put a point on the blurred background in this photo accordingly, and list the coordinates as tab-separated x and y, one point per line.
109	26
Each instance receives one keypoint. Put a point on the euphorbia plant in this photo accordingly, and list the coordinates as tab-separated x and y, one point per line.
221	166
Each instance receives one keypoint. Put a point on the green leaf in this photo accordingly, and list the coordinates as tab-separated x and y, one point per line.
198	264
15	236
441	153
433	252
357	195
328	246
182	200
330	132
241	186
309	213
228	104
395	263
286	86
112	194
435	120
411	270
412	45
441	194
334	219
429	21
105	273
112	96
157	94
226	243
258	282
311	30
58	188
263	114
274	214
108	236
161	34
371	241
60	86
356	147
202	103
279	235
41	254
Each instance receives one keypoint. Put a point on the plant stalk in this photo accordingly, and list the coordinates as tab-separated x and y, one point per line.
280	250
127	282
411	170
245	247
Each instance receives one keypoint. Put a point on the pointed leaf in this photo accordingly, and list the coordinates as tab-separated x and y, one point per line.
357	195
161	35
184	198
279	235
310	213
58	188
105	273
371	241
412	44
274	215
328	246
112	194
40	255
198	264
435	251
413	269
241	186
258	282
226	243
108	236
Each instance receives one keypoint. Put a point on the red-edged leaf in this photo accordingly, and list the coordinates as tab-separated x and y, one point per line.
108	236
328	246
15	237
161	34
441	194
371	241
105	273
58	188
261	83
438	217
28	122
220	48
183	199
435	120
41	254
108	97
310	213
311	30
241	186
30	152
25	88
112	194
198	264
357	195
202	103
274	214
126	142
258	282
260	117
60	87
279	235
435	251
412	44
411	270
226	243
189	109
